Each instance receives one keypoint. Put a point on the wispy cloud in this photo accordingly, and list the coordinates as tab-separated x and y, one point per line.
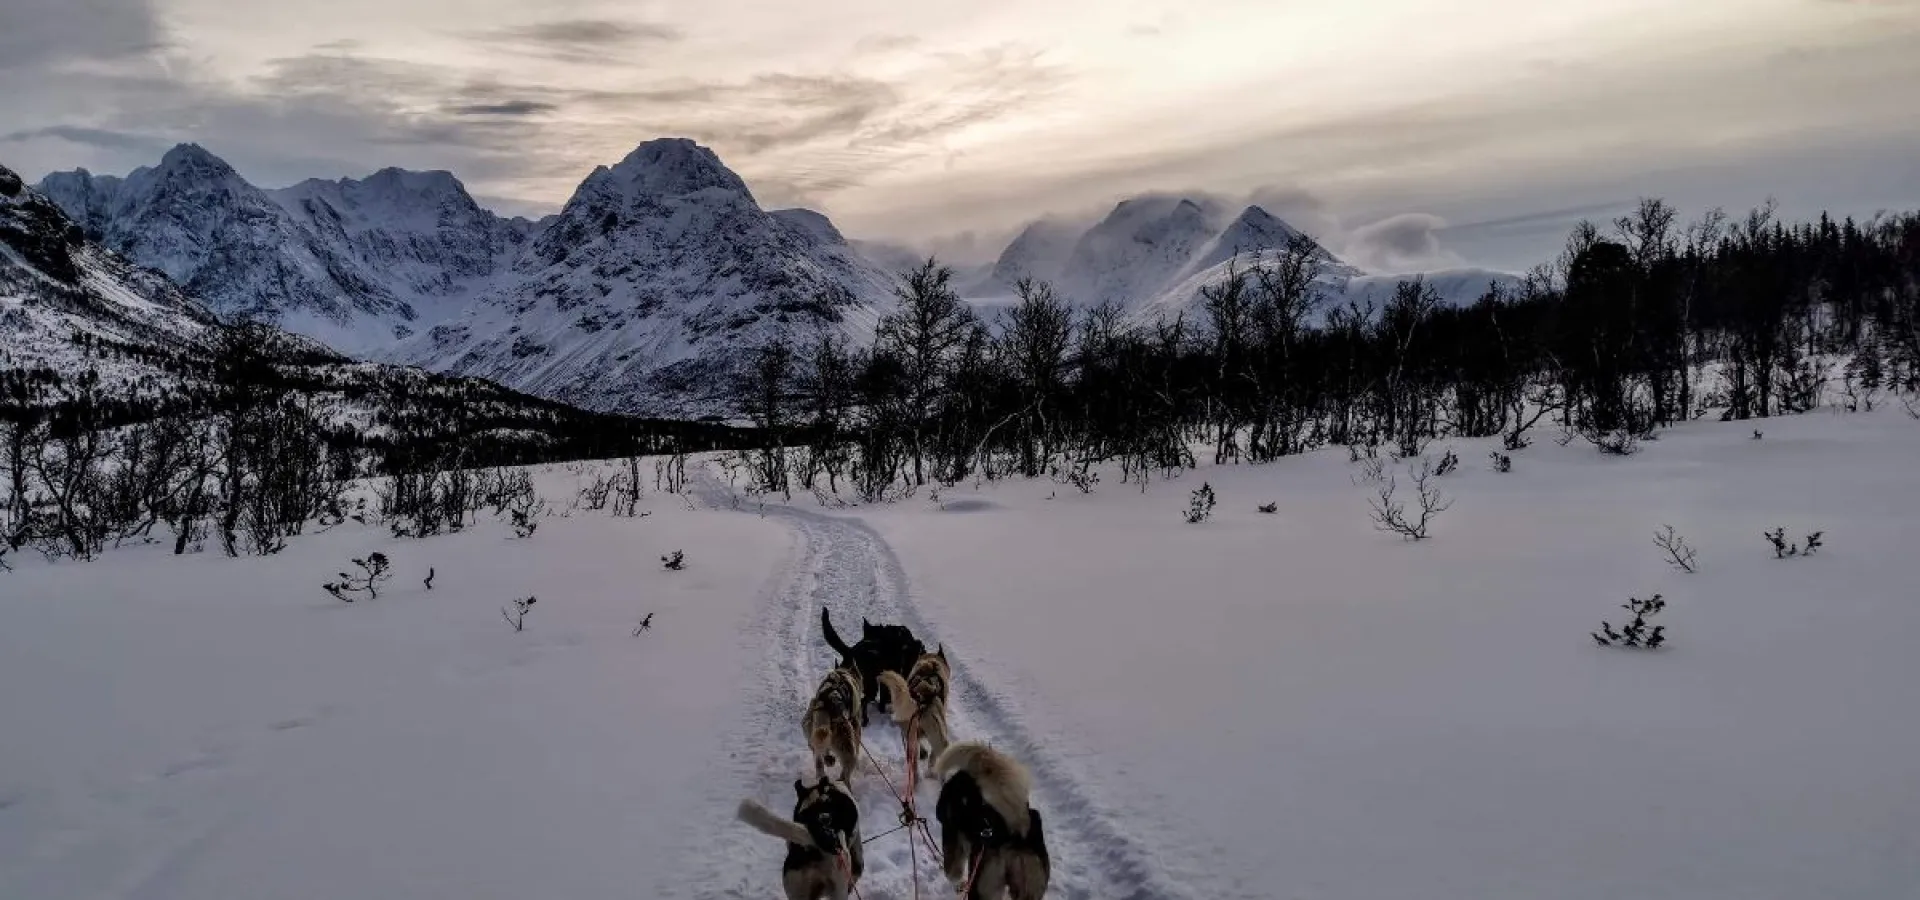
504	108
577	40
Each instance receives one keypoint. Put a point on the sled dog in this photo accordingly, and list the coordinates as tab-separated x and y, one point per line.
825	824
920	706
988	832
832	723
881	648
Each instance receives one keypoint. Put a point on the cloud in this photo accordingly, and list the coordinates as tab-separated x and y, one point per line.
1408	242
96	137
40	32
503	108
578	40
882	44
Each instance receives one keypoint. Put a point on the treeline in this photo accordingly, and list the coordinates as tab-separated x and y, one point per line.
1636	326
252	445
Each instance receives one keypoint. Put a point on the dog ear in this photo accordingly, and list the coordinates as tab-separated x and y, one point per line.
799	788
941	652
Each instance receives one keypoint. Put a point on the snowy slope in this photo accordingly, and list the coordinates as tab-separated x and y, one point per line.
1139	250
1153	255
228	244
57	289
421	233
655	279
1455	287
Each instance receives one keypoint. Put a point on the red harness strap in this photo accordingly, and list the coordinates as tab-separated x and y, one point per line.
846	868
973	871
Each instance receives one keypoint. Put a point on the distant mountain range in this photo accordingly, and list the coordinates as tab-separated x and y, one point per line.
643	295
77	318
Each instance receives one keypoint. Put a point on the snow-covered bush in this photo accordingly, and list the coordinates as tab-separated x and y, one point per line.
676	560
1782	549
1200	505
1501	461
374	569
1636	633
518	617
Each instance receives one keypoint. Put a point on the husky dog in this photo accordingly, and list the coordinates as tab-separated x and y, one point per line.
988	832
826	823
881	648
832	725
920	706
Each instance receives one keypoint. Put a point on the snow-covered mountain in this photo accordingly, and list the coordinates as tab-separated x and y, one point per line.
421	233
64	299
355	264
76	315
1153	255
649	288
229	245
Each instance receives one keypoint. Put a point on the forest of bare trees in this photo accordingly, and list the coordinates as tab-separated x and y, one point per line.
1638	325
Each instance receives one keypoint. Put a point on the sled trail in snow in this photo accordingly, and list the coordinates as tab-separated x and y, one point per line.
842	564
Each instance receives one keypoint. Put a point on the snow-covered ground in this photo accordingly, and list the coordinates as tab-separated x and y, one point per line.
207	728
1290	705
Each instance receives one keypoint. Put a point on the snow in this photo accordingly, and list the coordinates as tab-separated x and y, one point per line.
647	290
1316	709
1153	255
1288	705
213	728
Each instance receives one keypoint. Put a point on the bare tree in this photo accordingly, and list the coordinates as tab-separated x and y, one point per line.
1390	514
1679	555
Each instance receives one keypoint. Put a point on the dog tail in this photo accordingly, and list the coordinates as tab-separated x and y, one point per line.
833	637
1004	783
903	704
765	821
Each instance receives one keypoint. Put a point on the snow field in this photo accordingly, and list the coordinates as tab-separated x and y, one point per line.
1334	712
1289	706
209	728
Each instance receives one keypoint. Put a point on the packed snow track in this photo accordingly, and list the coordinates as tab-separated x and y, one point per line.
839	562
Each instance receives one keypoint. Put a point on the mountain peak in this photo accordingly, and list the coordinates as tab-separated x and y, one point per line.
814	224
191	157
676	166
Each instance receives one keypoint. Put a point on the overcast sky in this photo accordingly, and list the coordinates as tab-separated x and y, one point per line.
1408	133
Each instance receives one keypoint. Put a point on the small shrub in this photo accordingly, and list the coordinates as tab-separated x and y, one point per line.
1756	434
1270	508
335	514
429	580
1637	634
646	624
1390	514
1200	505
518	617
1373	470
676	560
1083	480
1448	463
1501	461
373	570
1782	549
524	525
1679	555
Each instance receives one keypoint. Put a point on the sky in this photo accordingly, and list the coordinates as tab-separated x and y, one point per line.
1406	134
